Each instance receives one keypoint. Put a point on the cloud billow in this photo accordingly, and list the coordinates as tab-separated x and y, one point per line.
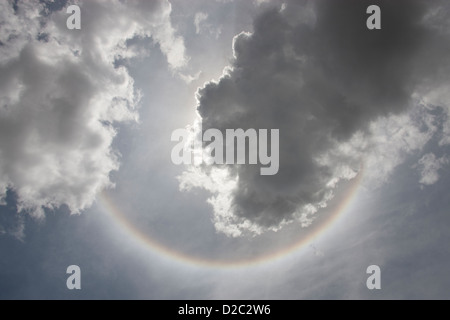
315	72
62	95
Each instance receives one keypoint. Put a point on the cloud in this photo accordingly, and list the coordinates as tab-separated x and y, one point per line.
12	226
260	2
341	95
429	166
62	95
389	141
202	26
188	78
198	19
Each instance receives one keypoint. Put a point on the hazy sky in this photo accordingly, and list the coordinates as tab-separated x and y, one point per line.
86	176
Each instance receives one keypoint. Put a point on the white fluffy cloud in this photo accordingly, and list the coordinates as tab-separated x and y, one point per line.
61	95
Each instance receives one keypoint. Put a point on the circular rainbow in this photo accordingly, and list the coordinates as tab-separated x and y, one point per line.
150	243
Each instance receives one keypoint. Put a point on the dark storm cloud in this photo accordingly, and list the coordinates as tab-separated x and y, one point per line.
319	78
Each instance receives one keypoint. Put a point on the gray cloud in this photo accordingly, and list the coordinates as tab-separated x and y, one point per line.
61	95
329	84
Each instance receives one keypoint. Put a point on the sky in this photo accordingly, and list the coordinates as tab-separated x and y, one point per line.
87	175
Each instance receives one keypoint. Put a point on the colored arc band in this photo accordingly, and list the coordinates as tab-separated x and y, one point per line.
145	239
